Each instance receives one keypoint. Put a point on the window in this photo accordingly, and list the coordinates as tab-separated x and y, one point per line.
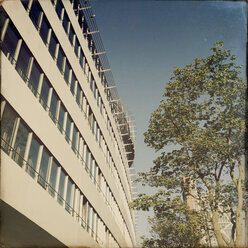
20	144
44	29
98	99
91	83
81	58
81	147
87	154
95	90
23	61
67	71
88	217
32	157
53	107
76	6
97	132
7	126
35	13
71	35
25	3
68	195
10	40
53	178
74	138
91	166
52	45
65	22
84	211
61	187
93	222
78	95
59	7
61	117
60	60
76	47
43	168
44	92
68	128
80	18
93	125
73	82
34	77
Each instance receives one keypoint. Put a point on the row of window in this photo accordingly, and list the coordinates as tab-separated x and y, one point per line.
42	88
25	148
62	15
35	9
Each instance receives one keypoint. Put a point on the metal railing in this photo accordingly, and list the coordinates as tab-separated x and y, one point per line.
8	149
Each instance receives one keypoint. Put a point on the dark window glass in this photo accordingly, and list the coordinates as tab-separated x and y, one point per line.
91	166
93	222
95	89
97	132
7	126
23	61
53	178
84	212
88	217
76	47
91	83
68	128
98	99
43	168
71	34
52	45
68	195
80	19
101	106
35	13
44	92
32	157
61	117
53	107
95	170
93	125
78	94
75	6
25	3
67	71
84	27
73	82
20	144
60	60
34	77
74	138
65	22
81	58
59	7
61	187
87	158
44	29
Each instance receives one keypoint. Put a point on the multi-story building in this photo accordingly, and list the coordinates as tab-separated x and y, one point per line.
66	143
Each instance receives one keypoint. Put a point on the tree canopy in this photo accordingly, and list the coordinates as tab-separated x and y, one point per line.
201	119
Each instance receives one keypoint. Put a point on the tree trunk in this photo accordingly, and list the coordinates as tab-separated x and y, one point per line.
217	232
239	234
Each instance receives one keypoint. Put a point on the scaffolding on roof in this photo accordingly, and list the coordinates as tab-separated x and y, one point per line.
127	132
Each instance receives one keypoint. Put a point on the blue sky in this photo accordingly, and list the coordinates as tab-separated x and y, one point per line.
144	40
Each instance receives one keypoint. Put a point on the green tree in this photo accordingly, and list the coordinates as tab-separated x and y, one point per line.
201	119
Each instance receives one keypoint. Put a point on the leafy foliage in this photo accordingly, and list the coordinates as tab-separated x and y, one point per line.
202	116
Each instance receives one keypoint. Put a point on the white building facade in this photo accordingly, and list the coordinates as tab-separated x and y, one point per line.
66	146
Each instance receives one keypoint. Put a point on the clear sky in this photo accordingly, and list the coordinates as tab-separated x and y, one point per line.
144	40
